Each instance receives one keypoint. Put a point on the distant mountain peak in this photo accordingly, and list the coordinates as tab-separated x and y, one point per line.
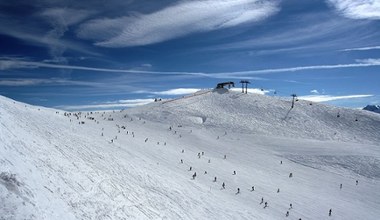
372	108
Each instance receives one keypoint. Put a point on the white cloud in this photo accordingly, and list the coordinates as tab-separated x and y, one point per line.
362	48
179	91
314	91
60	20
369	61
108	105
357	9
253	90
65	16
326	98
16	63
178	20
51	81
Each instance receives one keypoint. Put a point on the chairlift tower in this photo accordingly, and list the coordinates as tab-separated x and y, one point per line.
294	96
244	83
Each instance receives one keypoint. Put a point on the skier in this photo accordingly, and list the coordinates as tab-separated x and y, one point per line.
278	190
225	156
234	173
223	185
265	204
183	151
287	213
194	175
146	139
291	206
357	182
281	162
330	212
253	188
262	200
214	179
209	161
205	172
199	155
181	161
238	190
290	175
341	186
190	168
203	153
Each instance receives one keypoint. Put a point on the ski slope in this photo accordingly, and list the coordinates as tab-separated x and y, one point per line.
127	164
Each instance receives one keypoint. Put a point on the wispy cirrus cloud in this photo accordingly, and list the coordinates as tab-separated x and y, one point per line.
120	104
17	63
362	48
60	19
326	98
17	82
357	9
180	19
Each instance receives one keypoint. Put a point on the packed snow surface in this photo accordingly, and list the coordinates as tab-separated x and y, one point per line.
127	164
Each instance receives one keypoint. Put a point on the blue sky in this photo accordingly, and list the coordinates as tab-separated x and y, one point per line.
83	55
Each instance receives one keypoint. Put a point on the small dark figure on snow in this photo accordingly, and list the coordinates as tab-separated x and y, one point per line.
205	172
290	175
262	200
238	190
357	182
287	213
223	185
181	161
225	156
203	153
146	139
278	190
341	186
214	179
253	188
209	161
190	168
291	206
183	151
194	175
281	162
234	173
330	212
199	155
265	204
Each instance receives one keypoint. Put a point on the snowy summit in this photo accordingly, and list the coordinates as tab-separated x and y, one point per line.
215	154
372	108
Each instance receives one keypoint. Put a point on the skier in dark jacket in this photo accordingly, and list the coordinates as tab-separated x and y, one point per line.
194	175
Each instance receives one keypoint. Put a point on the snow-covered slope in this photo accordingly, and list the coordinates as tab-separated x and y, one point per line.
127	164
259	114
